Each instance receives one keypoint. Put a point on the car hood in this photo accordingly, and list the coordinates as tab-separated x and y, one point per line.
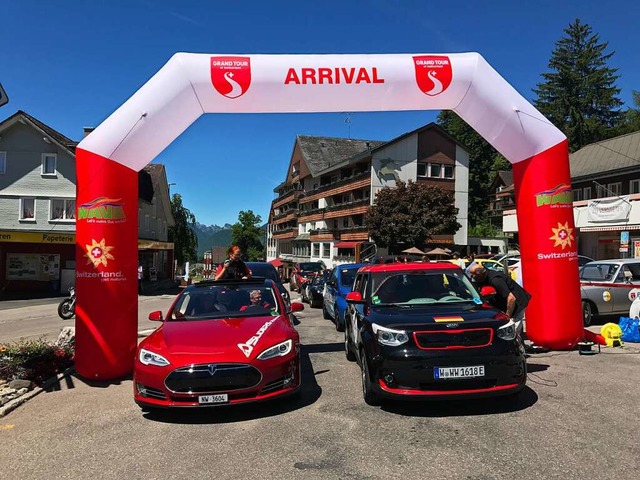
225	339
436	316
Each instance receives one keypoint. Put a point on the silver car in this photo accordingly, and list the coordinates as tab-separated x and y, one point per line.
608	287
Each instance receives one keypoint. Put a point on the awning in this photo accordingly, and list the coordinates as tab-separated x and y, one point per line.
276	262
347	244
616	228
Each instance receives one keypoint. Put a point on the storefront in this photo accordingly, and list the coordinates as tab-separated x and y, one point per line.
156	259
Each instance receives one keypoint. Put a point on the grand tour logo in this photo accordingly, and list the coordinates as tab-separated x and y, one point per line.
433	73
559	197
102	210
231	76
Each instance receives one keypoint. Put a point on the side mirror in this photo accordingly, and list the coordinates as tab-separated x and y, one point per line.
354	297
156	316
296	307
487	291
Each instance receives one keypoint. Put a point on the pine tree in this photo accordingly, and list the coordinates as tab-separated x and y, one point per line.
579	94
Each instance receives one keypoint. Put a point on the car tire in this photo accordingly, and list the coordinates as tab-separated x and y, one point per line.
348	351
370	397
338	321
325	314
587	313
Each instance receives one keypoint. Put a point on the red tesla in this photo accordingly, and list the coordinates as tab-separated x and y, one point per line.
224	342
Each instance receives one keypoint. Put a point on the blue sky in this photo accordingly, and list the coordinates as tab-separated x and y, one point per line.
71	64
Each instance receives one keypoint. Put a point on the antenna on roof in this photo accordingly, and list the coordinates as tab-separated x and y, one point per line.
347	120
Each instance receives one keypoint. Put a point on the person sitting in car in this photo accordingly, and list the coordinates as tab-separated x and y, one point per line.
255	299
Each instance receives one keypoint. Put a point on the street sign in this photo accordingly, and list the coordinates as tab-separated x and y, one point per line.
623	249
3	96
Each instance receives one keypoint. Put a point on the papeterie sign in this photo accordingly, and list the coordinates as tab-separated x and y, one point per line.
609	209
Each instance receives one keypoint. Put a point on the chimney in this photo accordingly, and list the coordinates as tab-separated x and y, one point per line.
87	130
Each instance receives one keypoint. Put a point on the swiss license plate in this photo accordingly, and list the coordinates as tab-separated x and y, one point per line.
205	399
458	372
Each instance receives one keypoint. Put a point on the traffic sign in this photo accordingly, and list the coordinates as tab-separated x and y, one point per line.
3	96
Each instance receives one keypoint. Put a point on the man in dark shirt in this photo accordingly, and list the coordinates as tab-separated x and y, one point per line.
510	297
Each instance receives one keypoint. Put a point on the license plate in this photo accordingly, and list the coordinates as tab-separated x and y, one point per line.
458	372
205	399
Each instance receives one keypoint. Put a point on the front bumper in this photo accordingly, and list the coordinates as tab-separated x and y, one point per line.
280	377
410	373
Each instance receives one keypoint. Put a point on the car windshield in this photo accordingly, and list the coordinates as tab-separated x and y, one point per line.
347	275
265	270
495	266
224	301
311	267
422	287
598	271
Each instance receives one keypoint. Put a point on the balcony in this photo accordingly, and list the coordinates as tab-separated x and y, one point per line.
285	217
293	194
343	185
323	235
289	232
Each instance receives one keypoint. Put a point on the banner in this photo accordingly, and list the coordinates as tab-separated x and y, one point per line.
615	209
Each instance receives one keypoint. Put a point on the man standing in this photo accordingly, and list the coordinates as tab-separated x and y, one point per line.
510	297
458	261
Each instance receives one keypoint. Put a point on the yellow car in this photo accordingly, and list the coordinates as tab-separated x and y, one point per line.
489	265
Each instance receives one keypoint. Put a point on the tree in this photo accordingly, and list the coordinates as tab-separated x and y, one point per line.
631	117
247	235
484	163
579	94
410	214
183	236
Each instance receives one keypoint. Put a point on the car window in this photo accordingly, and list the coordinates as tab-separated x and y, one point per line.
496	267
598	272
311	267
421	287
264	270
332	278
347	276
634	268
224	301
358	283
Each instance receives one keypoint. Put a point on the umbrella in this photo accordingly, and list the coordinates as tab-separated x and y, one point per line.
415	250
437	251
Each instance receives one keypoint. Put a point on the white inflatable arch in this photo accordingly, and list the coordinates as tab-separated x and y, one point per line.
190	85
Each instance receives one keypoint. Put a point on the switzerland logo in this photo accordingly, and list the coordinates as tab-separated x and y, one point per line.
433	73
231	76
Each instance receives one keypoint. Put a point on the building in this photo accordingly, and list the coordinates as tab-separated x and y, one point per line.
605	197
318	213
38	209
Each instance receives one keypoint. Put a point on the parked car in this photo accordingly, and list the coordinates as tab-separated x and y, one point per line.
608	287
422	331
267	270
222	342
338	286
301	272
313	291
489	265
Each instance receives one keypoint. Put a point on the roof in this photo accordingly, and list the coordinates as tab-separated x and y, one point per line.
57	137
158	176
506	176
617	153
321	153
404	267
428	126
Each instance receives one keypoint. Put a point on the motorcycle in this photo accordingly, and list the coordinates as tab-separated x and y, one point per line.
67	307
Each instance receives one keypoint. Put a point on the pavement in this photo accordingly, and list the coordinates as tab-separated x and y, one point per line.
576	419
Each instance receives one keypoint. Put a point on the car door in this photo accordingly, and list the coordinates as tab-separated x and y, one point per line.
356	310
625	287
330	292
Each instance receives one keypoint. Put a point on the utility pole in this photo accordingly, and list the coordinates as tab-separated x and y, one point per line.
347	120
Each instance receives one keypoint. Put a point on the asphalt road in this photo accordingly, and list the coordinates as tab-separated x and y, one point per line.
576	419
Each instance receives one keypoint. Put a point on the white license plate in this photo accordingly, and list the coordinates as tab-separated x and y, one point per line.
458	372
204	399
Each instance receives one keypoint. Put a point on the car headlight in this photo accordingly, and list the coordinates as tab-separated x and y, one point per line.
149	358
279	350
507	331
388	336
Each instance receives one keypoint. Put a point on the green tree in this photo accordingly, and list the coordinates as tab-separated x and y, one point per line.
182	234
410	214
247	235
484	163
631	117
579	94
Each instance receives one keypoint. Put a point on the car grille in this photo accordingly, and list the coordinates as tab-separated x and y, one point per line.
209	378
453	339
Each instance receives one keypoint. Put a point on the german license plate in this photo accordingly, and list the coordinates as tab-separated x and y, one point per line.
206	399
444	373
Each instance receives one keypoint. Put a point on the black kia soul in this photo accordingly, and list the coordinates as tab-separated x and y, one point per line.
422	331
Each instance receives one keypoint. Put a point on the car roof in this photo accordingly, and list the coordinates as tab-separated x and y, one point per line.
404	267
624	261
351	266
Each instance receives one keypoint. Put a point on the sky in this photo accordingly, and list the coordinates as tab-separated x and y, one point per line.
72	63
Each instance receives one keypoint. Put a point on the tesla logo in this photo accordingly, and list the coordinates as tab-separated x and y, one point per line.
212	369
433	73
231	76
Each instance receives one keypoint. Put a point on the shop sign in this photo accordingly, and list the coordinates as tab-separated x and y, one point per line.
609	209
35	237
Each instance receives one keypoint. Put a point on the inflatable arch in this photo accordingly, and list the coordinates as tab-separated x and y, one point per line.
190	85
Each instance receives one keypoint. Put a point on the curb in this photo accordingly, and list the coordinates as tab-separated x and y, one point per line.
16	402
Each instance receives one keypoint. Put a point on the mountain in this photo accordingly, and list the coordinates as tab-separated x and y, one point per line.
212	236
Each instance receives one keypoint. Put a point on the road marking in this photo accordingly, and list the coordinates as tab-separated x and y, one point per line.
6	426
